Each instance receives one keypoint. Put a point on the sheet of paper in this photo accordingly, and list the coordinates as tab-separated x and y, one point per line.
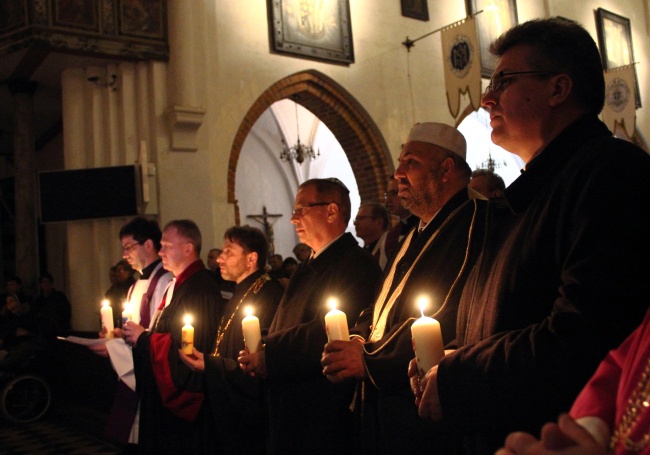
84	341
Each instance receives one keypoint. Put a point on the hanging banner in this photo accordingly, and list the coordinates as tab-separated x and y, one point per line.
462	64
620	96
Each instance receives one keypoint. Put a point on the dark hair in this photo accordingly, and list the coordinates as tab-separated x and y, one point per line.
564	46
45	276
188	230
289	260
494	181
332	190
142	229
252	240
378	210
15	278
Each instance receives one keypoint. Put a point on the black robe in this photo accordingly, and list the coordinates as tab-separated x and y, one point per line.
562	279
161	428
236	398
308	414
391	424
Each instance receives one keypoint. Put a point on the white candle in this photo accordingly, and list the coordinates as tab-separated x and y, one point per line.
127	314
336	323
427	340
251	328
106	314
187	335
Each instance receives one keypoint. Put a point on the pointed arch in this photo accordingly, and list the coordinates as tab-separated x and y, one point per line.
357	133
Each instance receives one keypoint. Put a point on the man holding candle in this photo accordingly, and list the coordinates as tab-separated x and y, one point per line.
563	276
305	411
140	240
173	417
236	398
433	262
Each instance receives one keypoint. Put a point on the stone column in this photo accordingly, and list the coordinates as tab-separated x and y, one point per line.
25	183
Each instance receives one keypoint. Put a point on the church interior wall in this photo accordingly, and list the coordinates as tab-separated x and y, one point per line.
220	62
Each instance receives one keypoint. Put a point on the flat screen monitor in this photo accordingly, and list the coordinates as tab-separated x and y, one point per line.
83	194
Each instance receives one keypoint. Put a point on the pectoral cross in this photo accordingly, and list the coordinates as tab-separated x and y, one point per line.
263	219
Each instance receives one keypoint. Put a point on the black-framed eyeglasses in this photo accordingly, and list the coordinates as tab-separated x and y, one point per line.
500	80
128	248
297	211
362	217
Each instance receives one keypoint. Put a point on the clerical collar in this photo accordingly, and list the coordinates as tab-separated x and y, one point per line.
148	270
316	254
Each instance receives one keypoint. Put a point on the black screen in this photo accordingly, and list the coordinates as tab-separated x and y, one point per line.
88	193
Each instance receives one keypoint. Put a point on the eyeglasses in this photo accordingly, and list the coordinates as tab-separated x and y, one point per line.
362	217
298	211
128	248
501	79
388	194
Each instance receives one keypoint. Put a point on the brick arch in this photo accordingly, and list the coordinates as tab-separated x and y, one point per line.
357	133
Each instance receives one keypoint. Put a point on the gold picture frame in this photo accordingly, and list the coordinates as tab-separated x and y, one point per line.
297	29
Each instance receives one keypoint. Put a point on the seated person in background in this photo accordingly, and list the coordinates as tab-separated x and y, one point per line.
611	414
275	267
56	302
121	276
289	265
20	336
487	183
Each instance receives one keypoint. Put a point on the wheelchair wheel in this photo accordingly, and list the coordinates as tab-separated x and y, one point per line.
25	399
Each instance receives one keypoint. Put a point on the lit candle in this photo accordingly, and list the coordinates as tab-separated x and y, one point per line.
187	335
127	314
336	323
427	340
252	333
106	314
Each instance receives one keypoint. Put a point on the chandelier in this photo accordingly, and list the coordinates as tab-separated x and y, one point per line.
298	151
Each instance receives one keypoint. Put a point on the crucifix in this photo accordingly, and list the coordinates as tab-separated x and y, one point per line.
263	219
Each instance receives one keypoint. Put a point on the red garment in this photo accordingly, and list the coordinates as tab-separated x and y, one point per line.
607	393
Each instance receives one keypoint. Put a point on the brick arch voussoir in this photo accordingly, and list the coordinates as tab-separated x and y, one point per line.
357	133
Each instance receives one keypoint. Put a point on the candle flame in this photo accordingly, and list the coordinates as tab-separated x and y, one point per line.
248	310
105	302
423	302
332	303
187	319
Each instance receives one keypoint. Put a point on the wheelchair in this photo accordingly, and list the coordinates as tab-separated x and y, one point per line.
25	396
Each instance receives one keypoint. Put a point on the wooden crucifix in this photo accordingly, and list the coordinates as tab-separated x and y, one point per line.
263	219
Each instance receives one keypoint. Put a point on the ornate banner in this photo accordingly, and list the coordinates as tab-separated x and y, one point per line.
462	64
620	98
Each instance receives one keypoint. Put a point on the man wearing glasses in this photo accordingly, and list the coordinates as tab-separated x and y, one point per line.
306	413
563	276
140	240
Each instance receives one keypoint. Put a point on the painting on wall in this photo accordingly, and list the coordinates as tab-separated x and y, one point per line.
493	17
143	18
312	29
615	42
416	9
76	14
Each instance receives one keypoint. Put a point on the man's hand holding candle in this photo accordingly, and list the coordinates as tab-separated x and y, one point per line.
342	360
253	364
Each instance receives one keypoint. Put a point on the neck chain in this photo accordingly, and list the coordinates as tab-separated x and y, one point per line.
221	331
637	403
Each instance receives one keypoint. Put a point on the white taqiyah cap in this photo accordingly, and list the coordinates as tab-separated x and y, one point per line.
439	134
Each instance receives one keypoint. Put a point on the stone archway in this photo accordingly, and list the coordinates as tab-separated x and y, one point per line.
357	133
